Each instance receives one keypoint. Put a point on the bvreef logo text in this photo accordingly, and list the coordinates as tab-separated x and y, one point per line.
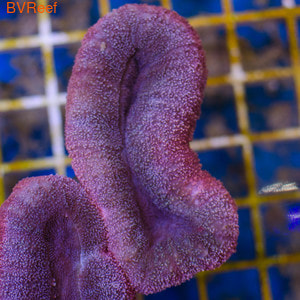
29	6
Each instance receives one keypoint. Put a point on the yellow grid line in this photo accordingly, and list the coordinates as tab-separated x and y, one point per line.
293	38
139	297
2	187
240	139
282	197
253	76
29	102
237	78
2	191
201	284
31	164
237	73
34	41
252	264
241	17
104	7
166	3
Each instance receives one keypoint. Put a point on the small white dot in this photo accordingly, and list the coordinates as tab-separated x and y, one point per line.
53	282
102	46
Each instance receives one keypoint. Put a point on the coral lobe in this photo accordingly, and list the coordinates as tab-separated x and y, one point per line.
131	112
54	245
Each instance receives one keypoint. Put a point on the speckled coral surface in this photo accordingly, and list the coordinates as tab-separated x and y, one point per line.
53	245
133	101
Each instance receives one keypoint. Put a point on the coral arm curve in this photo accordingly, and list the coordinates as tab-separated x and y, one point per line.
53	245
133	101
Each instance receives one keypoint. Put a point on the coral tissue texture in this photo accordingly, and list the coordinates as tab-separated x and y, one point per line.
53	245
133	101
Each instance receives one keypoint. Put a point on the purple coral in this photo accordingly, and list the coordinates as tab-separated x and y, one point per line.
53	245
146	215
133	101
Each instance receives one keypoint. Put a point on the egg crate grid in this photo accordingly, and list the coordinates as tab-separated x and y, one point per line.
49	44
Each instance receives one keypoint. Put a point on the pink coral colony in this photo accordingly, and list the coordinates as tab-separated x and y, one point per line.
144	216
